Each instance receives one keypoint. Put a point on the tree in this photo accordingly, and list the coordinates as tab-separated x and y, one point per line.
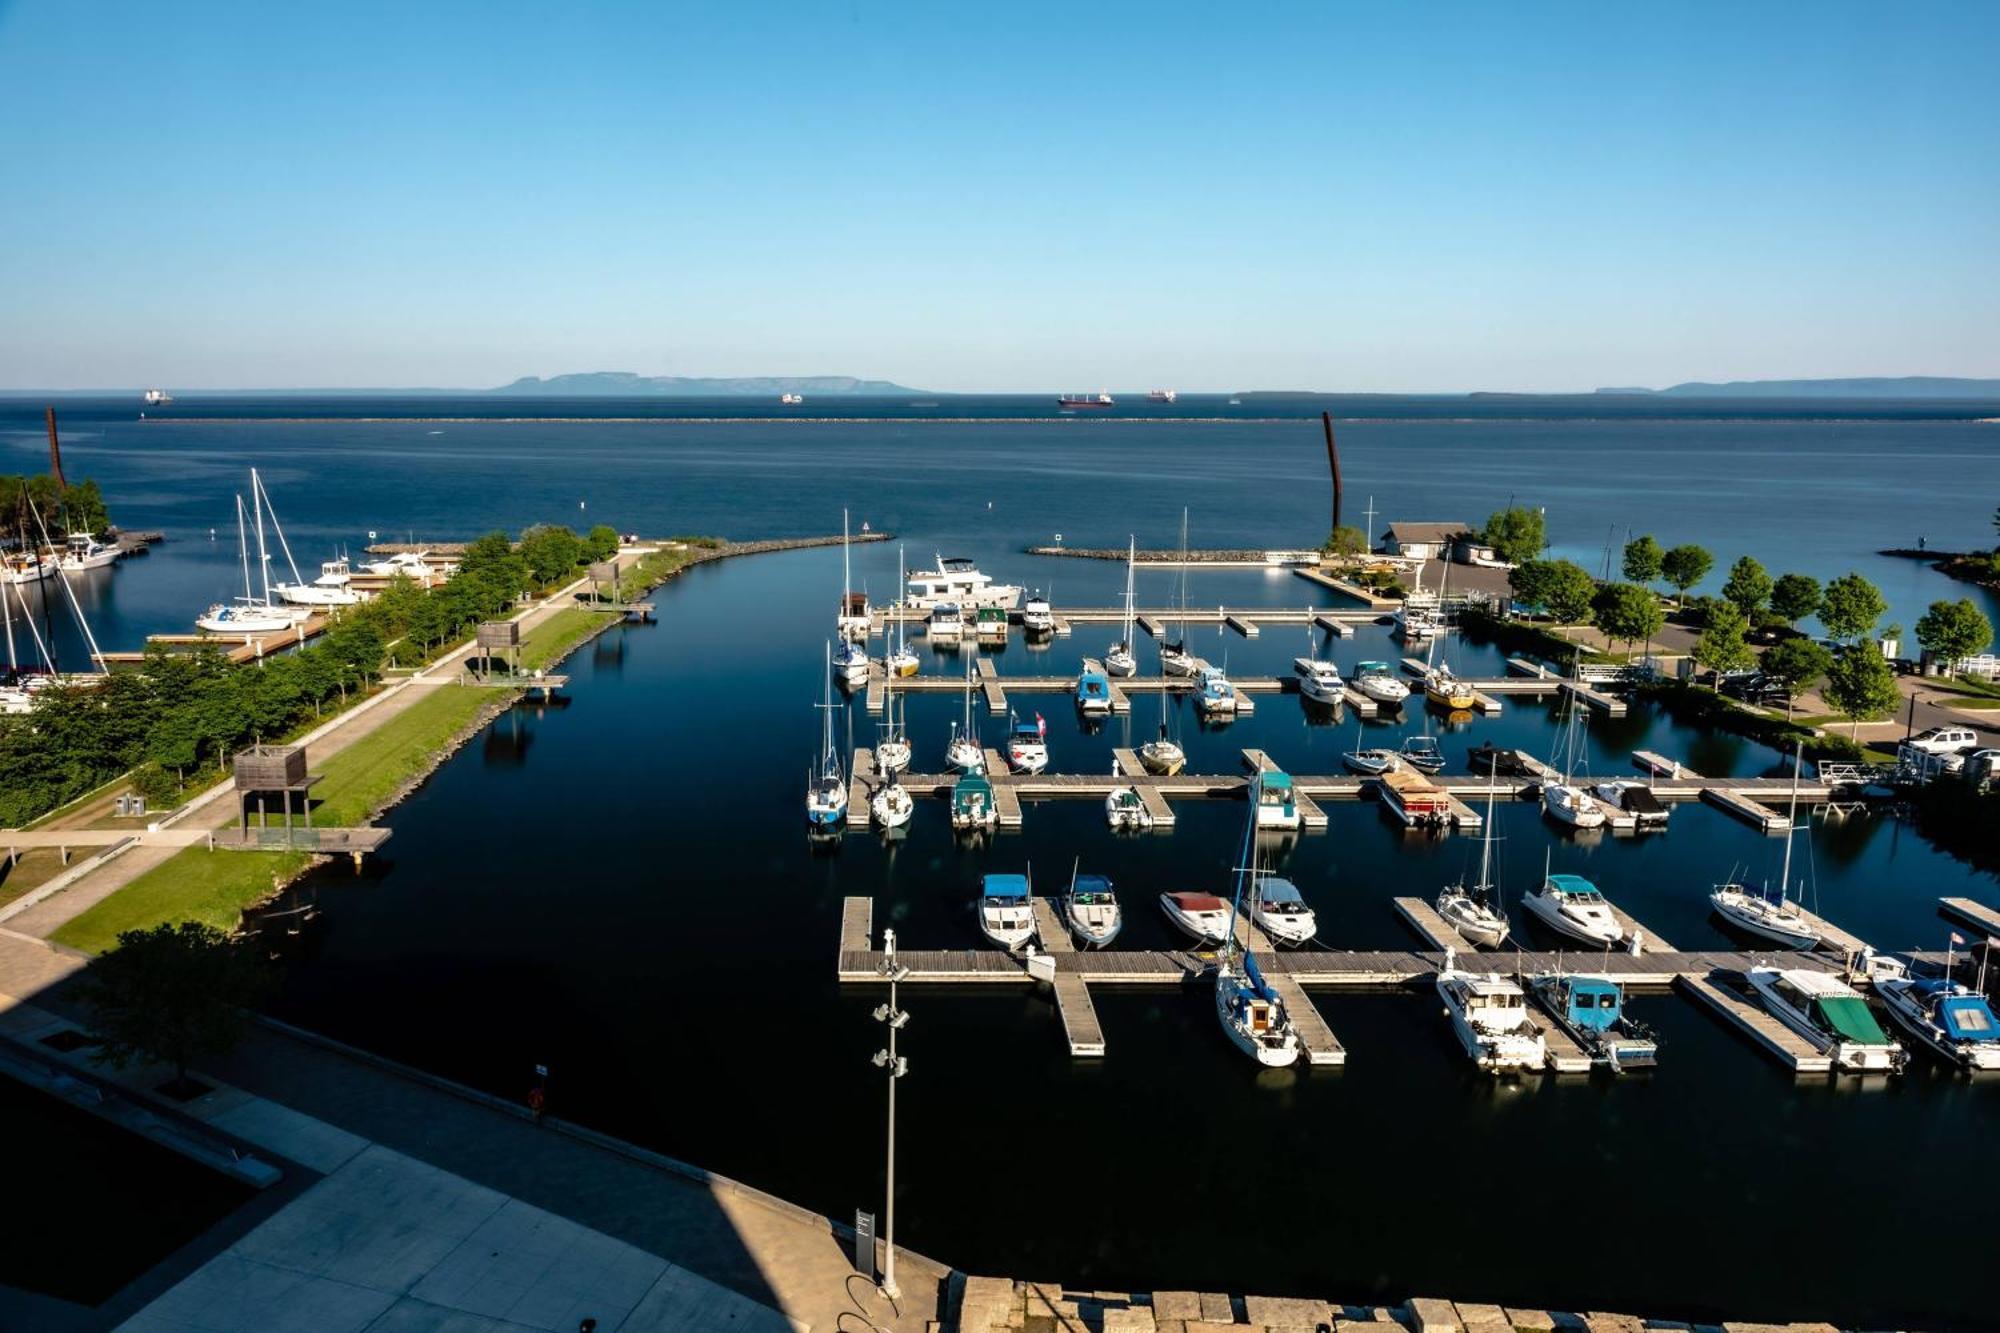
1721	647
600	543
1850	607
1516	534
1950	631
1642	559
1629	612
1748	586
1567	592
1794	597
550	551
1860	685
1346	541
174	994
1797	664
1685	566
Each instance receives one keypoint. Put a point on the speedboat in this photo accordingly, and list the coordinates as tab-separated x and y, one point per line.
1418	618
1319	680
972	806
1202	915
1279	910
1253	1016
1091	909
1828	1013
1027	746
1093	691
1635	799
1123	809
1373	762
945	623
245	616
1422	753
1592	1011
1005	914
1162	755
1037	616
1214	695
964	752
1378	682
957	580
848	661
1572	906
1277	805
1489	1014
1571	805
83	552
892	806
410	564
331	588
1950	1019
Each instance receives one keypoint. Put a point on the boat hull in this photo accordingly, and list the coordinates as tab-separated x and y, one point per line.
1551	915
1745	918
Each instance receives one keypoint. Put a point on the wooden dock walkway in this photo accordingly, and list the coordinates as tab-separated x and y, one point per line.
1338	626
1242	624
1437	932
857	921
1751	811
1079	1016
1156	805
1563	1055
1973	913
1777	1040
989	684
1347	589
1316	1038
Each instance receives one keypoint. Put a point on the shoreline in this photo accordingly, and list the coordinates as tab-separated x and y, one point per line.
1835	420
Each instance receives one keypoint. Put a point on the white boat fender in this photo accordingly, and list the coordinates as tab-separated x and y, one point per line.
1041	966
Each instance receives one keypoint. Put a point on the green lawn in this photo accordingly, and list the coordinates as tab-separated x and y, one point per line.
367	773
552	640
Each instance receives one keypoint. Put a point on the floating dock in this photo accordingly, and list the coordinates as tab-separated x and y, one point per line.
1780	1042
1973	913
1316	1039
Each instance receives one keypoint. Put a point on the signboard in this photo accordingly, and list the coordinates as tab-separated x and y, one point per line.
864	1244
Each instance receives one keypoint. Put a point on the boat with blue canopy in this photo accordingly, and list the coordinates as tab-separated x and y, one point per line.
1591	1009
972	803
1005	913
1277	806
1948	1018
1280	911
1091	908
1093	689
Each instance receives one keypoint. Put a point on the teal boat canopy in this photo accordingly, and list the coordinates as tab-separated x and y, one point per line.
1007	886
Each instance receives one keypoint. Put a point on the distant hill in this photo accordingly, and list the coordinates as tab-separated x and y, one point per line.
625	384
1910	386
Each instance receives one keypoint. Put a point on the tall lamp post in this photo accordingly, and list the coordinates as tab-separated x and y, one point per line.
896	1066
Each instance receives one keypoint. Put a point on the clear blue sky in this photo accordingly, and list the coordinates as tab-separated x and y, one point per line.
1281	195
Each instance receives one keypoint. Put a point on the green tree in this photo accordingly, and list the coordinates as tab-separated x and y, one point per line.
1850	607
550	551
1859	685
1569	592
1797	664
1794	597
83	507
1684	566
173	994
1529	583
1345	541
1748	586
1642	559
1721	647
600	543
1629	612
1516	534
1950	631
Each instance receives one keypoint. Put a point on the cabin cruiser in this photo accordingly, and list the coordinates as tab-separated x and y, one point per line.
1005	913
1093	690
1253	1015
1214	695
410	564
1281	912
945	622
1571	905
1037	616
1202	915
1277	805
1419	617
85	552
1635	799
972	806
1489	1015
957	580
1591	1010
1319	680
1378	682
24	567
1163	755
331	588
892	806
1027	746
1951	1019
991	624
1828	1013
1422	753
1091	910
1125	809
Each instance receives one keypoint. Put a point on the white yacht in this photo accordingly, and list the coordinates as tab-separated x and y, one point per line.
412	565
1175	659
1281	912
1489	1014
1005	913
1378	682
1215	695
957	580
901	659
333	587
1571	905
84	551
25	567
1037	616
1202	915
1828	1013
1091	909
158	398
1319	680
945	624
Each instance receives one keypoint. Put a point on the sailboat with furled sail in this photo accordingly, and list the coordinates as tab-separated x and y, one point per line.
1120	659
249	614
1175	659
902	661
1253	1016
1469	909
964	751
826	795
1163	754
1782	919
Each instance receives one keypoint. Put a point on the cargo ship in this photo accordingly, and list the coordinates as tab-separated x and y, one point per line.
1077	402
1163	396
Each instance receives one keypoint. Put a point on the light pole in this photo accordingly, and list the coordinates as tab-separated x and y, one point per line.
896	1066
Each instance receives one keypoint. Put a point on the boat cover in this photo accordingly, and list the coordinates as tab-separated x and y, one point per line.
1640	801
1967	1018
1274	781
1572	884
1587	1007
1007	886
1027	731
1848	1015
1279	891
1257	982
1198	902
1089	884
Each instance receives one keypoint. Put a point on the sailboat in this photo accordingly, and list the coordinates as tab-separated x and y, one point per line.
1120	660
826	796
964	750
903	661
854	621
892	752
274	593
891	805
1175	659
1091	909
1163	754
249	614
1748	909
1251	1013
1468	909
1566	801
1442	687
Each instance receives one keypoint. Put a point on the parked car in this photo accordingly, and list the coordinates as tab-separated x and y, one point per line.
1757	688
1943	740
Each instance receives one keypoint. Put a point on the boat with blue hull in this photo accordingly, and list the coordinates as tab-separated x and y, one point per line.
1591	1009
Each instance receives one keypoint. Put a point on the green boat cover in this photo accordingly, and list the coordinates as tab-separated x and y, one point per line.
1848	1015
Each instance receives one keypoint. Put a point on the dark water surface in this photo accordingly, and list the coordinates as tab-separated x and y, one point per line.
622	887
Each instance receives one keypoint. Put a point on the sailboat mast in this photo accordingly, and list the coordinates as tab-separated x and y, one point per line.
1791	826
263	555
1131	568
243	549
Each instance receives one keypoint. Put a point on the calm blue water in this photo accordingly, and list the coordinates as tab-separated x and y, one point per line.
622	888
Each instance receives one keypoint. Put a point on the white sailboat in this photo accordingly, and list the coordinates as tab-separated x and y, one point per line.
1121	660
1175	659
1252	1015
891	806
903	661
964	751
826	793
1469	909
1163	753
892	752
1566	801
1783	920
249	614
853	621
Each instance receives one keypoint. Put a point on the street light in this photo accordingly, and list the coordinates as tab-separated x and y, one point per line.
896	1066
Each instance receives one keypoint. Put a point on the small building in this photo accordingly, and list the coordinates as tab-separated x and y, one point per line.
1422	541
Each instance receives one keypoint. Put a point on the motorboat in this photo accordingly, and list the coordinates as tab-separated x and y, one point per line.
1949	1019
1571	905
1125	809
1277	806
945	623
972	806
1828	1013
1372	762
1214	695
1006	915
1782	919
1202	915
1091	910
1468	908
333	587
1319	680
1378	682
1037	616
1417	619
1489	1015
1120	660
1648	813
826	794
1591	1010
1253	1015
1422	753
1093	689
990	624
1487	757
957	580
83	551
17	567
848	662
891	806
1163	755
1412	798
1281	912
412	565
1027	745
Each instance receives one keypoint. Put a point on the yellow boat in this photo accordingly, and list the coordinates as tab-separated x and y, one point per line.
1448	691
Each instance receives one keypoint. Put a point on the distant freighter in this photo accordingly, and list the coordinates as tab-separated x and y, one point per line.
1163	396
791	399
1084	401
158	398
